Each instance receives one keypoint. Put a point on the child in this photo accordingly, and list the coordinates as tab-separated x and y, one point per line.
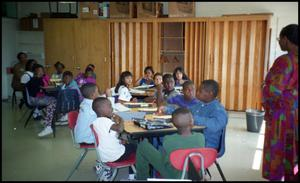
147	79
87	77
122	88
157	81
34	88
59	67
92	66
147	155
108	128
169	91
179	76
86	116
209	112
188	98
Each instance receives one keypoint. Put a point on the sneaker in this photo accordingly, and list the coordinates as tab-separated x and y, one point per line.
131	177
47	131
107	174
64	118
61	123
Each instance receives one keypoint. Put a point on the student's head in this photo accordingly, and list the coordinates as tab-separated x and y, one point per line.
88	72
125	79
67	77
179	74
288	37
22	57
188	90
158	78
38	70
208	90
168	82
29	65
59	67
182	119
148	71
102	107
92	66
89	91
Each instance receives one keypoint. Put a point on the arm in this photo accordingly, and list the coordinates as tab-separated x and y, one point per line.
137	83
119	124
160	97
216	121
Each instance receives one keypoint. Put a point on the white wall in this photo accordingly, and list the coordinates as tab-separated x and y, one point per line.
9	28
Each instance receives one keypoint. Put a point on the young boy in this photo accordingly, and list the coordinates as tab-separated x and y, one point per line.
169	91
108	127
208	112
86	116
146	154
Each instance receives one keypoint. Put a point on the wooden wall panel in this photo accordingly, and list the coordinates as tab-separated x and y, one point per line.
195	40
236	60
131	47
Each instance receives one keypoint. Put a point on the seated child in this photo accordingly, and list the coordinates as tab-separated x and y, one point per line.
108	127
86	116
208	112
157	81
147	79
168	92
179	76
34	87
147	155
92	66
58	74
122	88
87	77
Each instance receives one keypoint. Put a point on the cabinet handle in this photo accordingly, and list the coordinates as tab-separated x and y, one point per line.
105	59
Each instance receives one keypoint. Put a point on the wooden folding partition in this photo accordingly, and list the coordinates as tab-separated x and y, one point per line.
236	57
131	48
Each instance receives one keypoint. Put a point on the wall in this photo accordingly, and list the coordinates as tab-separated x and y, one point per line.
9	28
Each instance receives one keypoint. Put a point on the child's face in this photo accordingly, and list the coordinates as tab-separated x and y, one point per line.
128	80
39	72
158	80
59	69
148	74
169	84
205	95
67	79
89	74
179	75
189	92
108	110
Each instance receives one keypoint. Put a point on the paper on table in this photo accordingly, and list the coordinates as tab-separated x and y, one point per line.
154	109
143	86
136	91
162	116
120	107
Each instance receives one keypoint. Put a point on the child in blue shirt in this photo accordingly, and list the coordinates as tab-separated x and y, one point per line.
147	79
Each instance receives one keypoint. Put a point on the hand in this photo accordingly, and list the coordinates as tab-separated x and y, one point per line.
160	109
134	100
117	119
159	87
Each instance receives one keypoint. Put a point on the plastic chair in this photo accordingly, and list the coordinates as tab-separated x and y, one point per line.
31	106
72	119
206	157
114	165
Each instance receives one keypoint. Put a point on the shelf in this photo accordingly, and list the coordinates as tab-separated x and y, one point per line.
173	37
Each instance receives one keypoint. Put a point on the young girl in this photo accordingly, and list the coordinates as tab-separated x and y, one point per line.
147	79
179	76
87	77
157	81
122	87
38	97
59	67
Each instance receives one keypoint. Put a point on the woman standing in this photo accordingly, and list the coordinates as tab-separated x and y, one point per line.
280	101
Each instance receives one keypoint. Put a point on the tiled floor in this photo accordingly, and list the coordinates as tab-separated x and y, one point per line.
26	157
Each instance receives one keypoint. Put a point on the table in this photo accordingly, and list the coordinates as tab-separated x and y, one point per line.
51	90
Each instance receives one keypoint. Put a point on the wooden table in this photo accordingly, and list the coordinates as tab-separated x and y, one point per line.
136	132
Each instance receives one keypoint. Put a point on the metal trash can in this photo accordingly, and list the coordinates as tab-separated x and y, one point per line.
254	119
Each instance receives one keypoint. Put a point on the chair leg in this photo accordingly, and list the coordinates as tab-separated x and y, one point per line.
208	173
115	172
220	170
81	157
31	113
26	110
14	98
133	169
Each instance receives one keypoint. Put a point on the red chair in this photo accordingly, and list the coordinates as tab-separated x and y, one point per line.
72	119
114	165
202	158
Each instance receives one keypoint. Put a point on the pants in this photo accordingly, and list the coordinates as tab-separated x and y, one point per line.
49	102
147	155
129	149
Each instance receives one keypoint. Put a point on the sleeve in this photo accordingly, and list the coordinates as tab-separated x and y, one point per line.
277	78
25	78
169	109
215	122
103	124
124	94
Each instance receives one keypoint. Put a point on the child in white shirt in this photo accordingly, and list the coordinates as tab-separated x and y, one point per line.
122	88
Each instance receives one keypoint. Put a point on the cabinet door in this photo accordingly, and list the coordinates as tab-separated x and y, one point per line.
92	47
59	43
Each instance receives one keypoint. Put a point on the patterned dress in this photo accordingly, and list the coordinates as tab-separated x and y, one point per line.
280	101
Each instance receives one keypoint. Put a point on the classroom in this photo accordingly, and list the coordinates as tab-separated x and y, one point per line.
149	91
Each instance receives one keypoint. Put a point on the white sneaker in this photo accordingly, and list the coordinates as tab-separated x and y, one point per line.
47	131
131	177
61	123
64	118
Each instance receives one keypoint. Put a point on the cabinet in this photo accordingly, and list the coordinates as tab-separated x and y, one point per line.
77	43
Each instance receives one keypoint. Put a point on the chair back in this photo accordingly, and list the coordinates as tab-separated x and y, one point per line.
72	119
96	141
27	98
67	100
221	148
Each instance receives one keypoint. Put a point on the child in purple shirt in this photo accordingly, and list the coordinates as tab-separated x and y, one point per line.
87	77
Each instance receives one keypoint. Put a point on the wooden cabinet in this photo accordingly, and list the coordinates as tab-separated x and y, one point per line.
77	43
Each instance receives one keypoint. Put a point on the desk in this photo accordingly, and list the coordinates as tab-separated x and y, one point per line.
136	132
51	90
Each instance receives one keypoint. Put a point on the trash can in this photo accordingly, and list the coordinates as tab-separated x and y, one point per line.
254	119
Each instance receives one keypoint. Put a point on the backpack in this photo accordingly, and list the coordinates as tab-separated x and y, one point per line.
67	100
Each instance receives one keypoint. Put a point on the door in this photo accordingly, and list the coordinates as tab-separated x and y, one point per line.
59	43
92	47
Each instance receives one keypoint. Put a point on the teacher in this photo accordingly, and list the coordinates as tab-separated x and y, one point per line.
280	101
